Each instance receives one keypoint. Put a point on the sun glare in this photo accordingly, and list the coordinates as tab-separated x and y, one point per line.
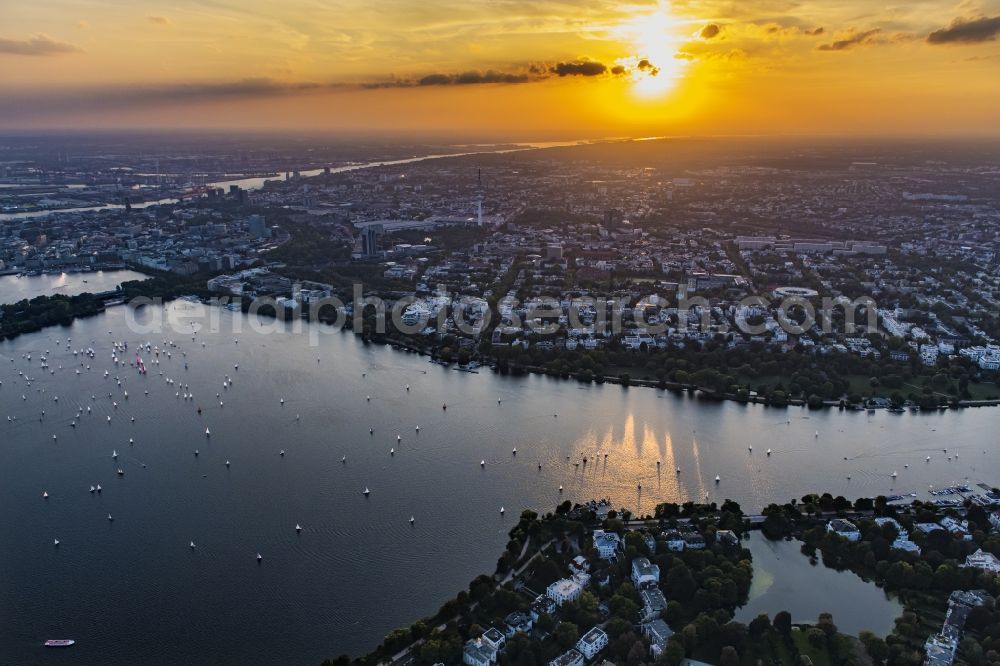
654	67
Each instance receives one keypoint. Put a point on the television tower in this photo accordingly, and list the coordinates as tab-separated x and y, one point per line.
479	198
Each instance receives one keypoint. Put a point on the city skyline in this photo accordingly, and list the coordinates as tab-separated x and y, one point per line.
505	71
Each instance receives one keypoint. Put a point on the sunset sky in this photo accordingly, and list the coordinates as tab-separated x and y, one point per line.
513	69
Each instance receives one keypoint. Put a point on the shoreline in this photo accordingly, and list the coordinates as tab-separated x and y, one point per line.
652	548
698	391
491	362
701	393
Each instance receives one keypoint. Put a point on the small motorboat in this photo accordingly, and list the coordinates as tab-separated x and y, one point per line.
59	643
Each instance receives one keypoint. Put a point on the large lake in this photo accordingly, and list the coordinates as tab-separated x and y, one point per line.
132	591
14	288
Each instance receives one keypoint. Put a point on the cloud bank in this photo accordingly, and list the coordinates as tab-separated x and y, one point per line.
857	39
967	31
37	45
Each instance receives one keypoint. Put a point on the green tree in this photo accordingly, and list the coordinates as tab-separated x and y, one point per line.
566	635
783	623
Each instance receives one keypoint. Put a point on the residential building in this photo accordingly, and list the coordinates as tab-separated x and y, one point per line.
653	602
592	642
644	573
569	658
675	542
983	560
844	528
494	638
564	590
694	541
906	545
517	622
543	605
957	529
483	651
658	633
940	648
727	537
607	544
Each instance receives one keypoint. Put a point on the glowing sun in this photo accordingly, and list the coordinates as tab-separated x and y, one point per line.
655	68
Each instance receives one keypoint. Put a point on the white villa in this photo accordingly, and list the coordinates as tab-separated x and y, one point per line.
592	642
564	590
606	543
644	573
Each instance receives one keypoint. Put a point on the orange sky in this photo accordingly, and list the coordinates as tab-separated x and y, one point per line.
515	69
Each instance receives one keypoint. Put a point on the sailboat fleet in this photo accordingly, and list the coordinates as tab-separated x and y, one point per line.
183	393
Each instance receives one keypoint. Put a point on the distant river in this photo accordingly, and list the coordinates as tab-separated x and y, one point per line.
257	182
132	591
14	288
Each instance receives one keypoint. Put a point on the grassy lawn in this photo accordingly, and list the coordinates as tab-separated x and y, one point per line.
821	656
980	391
776	653
861	385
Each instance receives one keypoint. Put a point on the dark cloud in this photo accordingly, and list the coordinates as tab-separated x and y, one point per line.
36	45
967	31
857	39
520	74
25	104
434	80
579	68
711	30
472	78
646	66
815	32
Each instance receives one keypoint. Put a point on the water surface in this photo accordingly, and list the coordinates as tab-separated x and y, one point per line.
786	580
14	288
132	591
